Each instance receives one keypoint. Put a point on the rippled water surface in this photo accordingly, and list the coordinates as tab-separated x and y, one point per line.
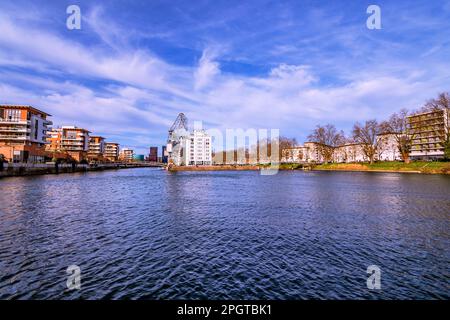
150	234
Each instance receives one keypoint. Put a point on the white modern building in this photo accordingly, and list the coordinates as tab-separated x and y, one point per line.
191	148
197	149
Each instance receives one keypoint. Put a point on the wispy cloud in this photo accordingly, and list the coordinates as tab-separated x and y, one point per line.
288	66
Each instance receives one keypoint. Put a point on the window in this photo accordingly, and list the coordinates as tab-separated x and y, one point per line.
13	115
71	134
36	126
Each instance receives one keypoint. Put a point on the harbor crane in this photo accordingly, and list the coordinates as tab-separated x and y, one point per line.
177	133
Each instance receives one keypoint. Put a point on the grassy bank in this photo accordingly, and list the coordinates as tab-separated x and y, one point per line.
214	168
415	166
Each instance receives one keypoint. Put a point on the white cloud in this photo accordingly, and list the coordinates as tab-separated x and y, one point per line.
141	94
207	69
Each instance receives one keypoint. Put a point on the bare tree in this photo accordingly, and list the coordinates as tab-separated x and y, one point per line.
367	136
286	143
398	126
442	102
283	144
327	137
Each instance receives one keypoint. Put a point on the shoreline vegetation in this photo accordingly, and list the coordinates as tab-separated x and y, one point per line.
427	167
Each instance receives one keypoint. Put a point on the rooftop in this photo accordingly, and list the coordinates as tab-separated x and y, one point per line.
18	106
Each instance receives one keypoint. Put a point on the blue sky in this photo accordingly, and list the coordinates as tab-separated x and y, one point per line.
134	65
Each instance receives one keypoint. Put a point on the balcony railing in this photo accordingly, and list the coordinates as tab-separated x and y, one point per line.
11	137
18	121
12	129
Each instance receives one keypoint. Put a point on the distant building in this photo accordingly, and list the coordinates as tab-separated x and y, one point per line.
165	156
346	153
71	140
111	151
349	152
389	150
429	131
313	153
96	148
192	148
23	133
138	157
126	154
294	155
153	155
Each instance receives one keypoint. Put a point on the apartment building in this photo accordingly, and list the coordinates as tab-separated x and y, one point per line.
294	155
126	154
429	131
111	151
388	150
96	148
313	153
346	153
23	133
349	152
197	148
309	152
71	140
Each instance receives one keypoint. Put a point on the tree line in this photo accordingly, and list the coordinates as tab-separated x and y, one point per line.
367	134
328	137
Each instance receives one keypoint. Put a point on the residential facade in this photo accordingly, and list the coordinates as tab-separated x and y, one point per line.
349	152
96	148
23	133
126	154
294	155
71	140
313	153
191	148
429	131
111	151
197	148
346	153
388	150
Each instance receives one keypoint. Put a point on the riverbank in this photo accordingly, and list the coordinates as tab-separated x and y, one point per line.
30	169
215	168
388	166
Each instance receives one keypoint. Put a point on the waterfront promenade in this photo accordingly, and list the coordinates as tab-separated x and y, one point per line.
28	169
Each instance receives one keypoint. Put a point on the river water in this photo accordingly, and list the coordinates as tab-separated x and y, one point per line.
149	234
